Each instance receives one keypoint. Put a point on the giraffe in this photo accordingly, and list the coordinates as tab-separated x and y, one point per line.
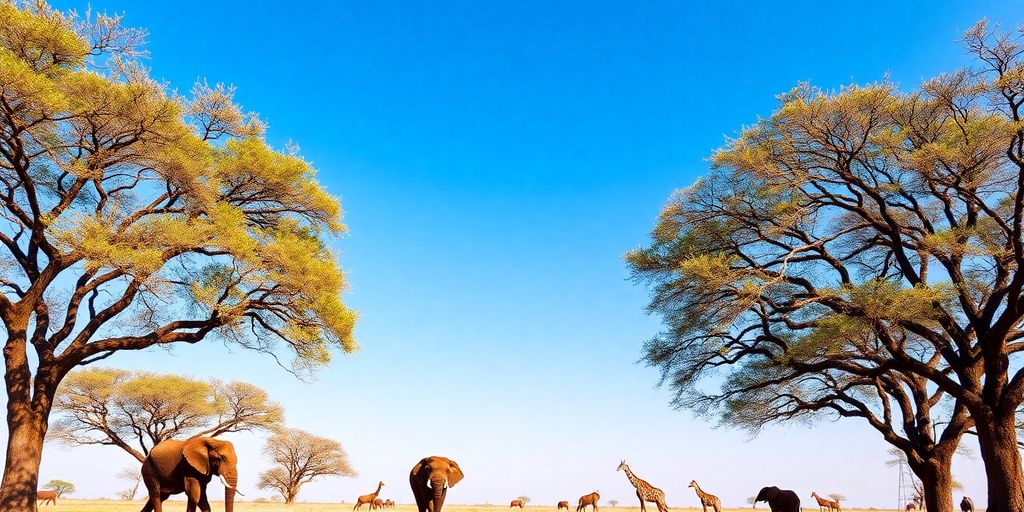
368	498
824	504
706	499
645	491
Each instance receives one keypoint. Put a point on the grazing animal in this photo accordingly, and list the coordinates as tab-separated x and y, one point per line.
825	504
430	479
563	504
368	499
187	466
377	503
516	503
588	499
911	506
706	499
779	500
389	503
967	504
47	496
644	491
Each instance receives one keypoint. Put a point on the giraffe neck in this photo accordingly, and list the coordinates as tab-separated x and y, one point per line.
698	489
379	485
633	479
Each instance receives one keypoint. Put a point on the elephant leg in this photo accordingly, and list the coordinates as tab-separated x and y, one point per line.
193	491
204	502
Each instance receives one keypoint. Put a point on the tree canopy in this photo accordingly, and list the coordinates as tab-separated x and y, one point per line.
61	487
135	410
859	252
300	457
133	216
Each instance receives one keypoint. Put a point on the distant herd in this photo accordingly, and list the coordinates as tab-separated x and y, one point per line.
430	480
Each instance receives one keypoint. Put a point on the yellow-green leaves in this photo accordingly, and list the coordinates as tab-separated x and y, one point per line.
137	409
180	196
40	37
268	180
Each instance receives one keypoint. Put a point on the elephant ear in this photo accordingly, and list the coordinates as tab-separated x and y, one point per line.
419	466
197	453
454	473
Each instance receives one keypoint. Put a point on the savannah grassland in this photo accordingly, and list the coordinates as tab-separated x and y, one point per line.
179	506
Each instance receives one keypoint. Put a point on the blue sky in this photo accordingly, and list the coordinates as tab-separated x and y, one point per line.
495	160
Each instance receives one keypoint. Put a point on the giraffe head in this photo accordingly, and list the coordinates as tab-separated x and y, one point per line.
622	466
693	483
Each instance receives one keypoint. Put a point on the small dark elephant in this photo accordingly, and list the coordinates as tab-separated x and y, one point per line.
188	466
430	479
779	500
967	504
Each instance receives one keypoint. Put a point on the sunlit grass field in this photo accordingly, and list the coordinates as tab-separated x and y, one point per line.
178	506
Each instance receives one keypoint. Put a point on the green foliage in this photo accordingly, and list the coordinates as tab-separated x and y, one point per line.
62	487
151	197
132	409
855	254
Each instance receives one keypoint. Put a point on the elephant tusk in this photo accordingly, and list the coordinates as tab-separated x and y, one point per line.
225	482
228	486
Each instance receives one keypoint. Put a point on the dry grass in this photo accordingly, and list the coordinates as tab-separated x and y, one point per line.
179	506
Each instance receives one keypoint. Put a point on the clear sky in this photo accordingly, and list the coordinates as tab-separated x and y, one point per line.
495	160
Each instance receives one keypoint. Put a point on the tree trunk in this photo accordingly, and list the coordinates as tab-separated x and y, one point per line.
937	479
24	453
997	438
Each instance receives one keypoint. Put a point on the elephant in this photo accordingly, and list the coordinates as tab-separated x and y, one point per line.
967	504
779	500
47	496
175	466
430	479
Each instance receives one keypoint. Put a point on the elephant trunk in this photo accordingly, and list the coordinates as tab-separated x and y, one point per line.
438	483
230	476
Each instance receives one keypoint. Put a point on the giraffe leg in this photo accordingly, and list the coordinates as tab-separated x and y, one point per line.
662	507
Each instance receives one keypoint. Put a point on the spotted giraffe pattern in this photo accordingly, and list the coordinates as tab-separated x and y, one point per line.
706	499
645	491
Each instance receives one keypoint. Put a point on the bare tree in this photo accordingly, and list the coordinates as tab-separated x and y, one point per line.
134	477
300	457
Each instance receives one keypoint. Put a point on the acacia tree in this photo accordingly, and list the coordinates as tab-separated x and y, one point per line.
859	252
132	217
136	410
300	457
61	487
